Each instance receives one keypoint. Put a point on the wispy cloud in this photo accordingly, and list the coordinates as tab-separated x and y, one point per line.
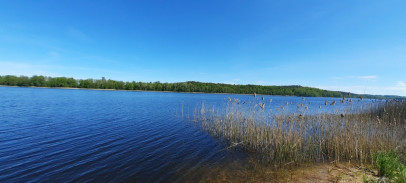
340	77
20	68
398	88
14	68
401	84
367	77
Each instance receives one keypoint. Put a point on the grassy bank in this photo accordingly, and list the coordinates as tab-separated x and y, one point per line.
280	138
392	166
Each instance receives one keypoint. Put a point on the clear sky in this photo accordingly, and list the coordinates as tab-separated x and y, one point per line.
346	45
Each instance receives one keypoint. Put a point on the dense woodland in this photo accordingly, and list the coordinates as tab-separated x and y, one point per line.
189	86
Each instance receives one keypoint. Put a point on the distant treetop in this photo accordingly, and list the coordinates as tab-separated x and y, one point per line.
189	86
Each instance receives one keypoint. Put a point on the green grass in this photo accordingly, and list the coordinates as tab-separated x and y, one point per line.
389	165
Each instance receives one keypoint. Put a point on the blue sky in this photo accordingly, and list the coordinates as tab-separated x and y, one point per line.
355	46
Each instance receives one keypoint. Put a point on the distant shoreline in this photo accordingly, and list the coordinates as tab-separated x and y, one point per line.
104	84
96	89
134	90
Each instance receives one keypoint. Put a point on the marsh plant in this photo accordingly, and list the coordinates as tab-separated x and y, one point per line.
389	165
355	136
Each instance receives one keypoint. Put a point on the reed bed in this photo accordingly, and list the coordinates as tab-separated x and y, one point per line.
285	138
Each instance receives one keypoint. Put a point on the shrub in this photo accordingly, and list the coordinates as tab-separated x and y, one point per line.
390	166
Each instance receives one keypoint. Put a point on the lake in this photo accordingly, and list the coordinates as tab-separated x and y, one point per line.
68	135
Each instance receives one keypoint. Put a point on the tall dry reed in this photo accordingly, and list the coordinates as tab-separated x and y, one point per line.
353	136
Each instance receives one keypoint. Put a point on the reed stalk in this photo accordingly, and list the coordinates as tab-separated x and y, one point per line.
353	136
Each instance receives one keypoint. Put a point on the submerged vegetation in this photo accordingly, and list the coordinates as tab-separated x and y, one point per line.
283	138
190	86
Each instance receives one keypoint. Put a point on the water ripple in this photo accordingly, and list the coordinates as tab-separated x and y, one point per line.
56	135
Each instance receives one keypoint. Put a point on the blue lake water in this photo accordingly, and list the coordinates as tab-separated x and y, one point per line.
63	135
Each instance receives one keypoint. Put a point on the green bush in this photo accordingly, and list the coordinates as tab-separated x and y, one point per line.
390	166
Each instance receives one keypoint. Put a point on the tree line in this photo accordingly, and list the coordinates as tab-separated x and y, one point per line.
189	86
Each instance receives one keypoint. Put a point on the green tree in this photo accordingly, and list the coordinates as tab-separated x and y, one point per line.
190	86
38	81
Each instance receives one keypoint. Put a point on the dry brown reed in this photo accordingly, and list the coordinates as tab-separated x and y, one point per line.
301	138
262	105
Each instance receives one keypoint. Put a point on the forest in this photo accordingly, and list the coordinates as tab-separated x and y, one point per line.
188	86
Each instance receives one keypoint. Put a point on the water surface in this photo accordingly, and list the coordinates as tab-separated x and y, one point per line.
67	135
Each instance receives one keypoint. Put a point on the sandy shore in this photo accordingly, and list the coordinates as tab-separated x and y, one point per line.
321	172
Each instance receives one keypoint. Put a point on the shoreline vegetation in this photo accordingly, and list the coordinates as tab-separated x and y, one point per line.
372	137
188	87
